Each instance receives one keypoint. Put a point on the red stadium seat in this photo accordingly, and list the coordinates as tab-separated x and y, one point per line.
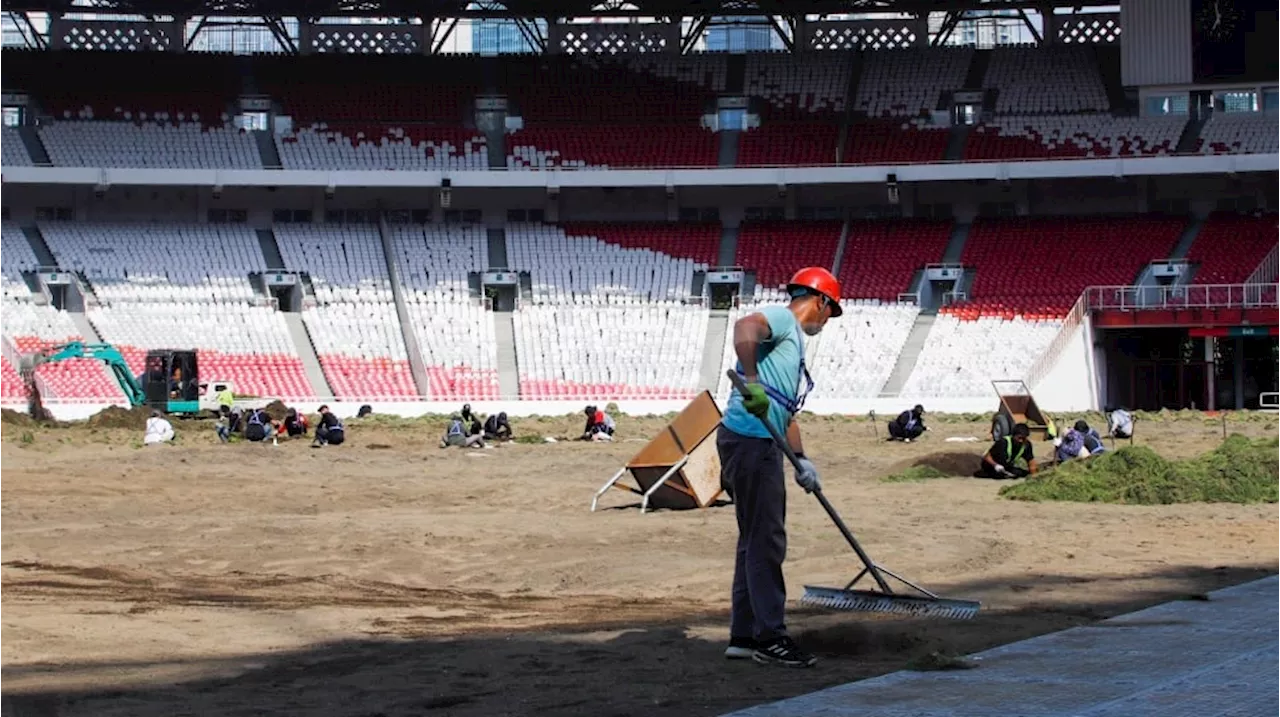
1230	246
775	250
1038	267
881	257
699	242
606	113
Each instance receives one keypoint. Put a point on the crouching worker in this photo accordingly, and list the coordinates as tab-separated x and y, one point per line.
159	430
295	424
457	434
497	428
258	425
1080	441
329	430
1120	422
908	426
600	425
1001	460
470	420
229	424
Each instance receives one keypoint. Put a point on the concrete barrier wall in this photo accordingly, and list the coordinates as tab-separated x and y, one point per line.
885	408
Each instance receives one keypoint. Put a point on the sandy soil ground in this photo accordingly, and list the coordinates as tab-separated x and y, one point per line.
389	577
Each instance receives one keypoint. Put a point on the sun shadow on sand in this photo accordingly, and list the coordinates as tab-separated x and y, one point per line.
620	659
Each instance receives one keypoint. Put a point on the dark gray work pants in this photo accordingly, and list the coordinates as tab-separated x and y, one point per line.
753	468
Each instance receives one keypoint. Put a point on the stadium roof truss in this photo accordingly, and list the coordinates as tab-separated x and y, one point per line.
569	26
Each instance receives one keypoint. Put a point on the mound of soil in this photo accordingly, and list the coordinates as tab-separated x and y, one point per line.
116	417
10	417
277	410
948	463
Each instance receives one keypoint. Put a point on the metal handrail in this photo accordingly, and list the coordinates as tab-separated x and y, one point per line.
1049	357
10	351
459	398
1187	296
825	165
1268	270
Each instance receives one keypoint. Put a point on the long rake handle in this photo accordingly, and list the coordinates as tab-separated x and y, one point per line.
785	447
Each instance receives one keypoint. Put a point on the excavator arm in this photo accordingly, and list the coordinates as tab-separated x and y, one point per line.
103	352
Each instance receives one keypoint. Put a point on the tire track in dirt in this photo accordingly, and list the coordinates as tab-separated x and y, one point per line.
447	610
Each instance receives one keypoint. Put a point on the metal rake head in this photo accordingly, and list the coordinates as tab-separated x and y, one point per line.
868	601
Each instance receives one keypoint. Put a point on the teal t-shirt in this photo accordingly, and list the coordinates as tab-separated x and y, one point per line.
778	365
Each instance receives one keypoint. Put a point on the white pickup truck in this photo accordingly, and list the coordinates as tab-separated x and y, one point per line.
209	397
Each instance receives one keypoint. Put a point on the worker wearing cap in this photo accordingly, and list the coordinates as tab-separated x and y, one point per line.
770	347
908	426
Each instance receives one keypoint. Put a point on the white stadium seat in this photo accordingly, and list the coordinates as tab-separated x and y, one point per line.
318	147
13	150
148	144
183	286
1058	79
1240	133
817	85
907	82
354	326
455	333
961	357
605	319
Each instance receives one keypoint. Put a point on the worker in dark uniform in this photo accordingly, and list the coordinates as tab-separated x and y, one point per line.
908	426
329	429
471	421
1000	461
258	426
497	428
295	424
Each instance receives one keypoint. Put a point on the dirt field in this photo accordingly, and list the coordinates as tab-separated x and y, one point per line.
389	577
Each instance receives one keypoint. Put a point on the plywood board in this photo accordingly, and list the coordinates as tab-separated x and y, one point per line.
691	435
662	450
702	472
697	421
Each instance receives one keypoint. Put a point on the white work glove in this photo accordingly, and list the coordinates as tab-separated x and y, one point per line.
1001	470
807	476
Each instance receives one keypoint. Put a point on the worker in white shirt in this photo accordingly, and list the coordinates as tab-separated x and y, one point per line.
159	430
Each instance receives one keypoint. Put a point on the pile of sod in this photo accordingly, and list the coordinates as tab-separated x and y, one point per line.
1238	471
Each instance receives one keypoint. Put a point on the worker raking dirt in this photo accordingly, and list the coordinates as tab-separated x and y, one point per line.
770	349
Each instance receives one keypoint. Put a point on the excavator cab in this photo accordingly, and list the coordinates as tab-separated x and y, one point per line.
171	381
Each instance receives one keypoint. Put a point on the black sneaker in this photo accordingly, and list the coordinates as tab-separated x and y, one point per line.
783	651
740	648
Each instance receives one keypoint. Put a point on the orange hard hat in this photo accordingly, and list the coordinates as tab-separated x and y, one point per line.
815	278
